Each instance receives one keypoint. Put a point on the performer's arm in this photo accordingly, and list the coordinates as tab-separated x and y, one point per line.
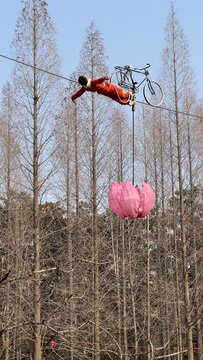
99	81
78	94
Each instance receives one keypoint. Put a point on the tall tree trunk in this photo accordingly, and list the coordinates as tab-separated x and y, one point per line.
158	224
193	234
37	300
116	238
182	223
165	250
69	299
76	169
19	239
177	288
9	237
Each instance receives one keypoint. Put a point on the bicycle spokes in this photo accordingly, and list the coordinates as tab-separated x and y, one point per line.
153	93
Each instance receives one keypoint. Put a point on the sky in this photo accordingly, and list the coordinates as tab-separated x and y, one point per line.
132	31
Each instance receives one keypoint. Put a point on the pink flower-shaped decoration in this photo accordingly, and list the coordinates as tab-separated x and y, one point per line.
127	200
114	199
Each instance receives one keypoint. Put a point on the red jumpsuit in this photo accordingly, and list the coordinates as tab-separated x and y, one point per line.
105	88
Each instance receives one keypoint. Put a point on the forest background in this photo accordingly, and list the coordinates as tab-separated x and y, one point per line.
76	282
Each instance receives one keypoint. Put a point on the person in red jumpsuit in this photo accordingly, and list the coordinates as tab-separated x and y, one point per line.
104	88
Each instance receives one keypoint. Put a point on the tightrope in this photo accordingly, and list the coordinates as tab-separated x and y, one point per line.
65	78
34	67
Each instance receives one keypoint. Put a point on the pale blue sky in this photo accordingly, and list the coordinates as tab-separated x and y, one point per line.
133	31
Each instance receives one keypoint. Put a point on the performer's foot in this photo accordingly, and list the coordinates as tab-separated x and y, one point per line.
131	103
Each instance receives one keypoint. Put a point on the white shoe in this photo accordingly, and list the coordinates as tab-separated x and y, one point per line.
131	103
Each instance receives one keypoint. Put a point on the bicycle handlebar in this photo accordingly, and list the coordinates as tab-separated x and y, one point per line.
144	68
122	68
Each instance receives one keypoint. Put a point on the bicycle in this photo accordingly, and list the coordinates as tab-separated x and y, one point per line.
152	91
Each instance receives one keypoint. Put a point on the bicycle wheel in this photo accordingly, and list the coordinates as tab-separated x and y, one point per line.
153	93
121	79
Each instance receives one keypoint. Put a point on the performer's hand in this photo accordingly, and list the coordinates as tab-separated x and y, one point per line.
106	78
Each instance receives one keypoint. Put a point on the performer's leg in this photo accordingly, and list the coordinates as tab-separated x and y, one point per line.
121	94
117	94
123	97
129	101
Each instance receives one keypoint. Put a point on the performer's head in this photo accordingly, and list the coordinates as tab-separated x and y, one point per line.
83	80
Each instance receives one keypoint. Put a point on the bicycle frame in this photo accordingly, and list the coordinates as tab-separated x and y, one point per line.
129	73
152	91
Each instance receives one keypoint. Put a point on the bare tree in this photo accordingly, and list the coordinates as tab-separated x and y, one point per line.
9	162
176	64
177	301
192	231
34	44
93	66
